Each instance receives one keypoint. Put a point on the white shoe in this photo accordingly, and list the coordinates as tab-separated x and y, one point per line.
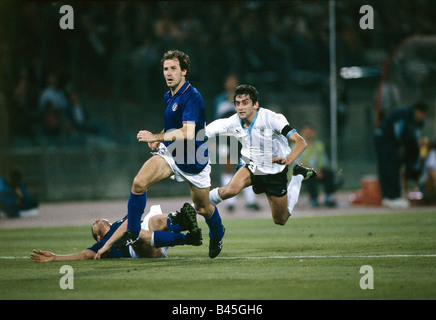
397	203
29	213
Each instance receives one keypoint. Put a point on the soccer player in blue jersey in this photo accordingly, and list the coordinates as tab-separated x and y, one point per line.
181	152
155	238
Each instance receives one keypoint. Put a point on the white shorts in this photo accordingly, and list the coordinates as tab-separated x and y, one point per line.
200	180
154	210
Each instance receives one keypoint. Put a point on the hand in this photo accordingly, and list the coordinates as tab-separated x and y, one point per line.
101	252
42	256
154	145
282	161
145	136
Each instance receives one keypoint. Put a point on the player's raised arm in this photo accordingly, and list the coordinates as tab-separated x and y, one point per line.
217	127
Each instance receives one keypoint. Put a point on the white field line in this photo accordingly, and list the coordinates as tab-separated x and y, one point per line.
292	257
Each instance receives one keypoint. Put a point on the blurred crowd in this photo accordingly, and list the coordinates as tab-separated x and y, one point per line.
115	48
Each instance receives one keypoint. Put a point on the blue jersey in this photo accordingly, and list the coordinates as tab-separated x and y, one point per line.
113	253
187	106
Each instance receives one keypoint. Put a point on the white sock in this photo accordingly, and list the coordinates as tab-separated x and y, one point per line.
152	240
225	180
214	197
294	188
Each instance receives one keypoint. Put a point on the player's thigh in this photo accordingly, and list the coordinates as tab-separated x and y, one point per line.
279	208
144	250
240	180
158	222
152	171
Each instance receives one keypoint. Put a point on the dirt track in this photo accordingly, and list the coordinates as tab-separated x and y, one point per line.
84	213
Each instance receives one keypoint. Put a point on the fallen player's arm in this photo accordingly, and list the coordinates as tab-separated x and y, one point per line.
187	132
117	234
299	147
46	256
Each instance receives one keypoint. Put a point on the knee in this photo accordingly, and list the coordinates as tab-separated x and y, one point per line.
281	221
205	210
139	186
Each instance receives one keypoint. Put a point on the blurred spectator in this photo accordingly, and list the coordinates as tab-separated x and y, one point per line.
52	107
23	109
224	108
315	157
15	201
78	115
53	95
428	175
396	144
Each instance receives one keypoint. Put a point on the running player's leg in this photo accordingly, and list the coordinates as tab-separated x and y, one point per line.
240	180
154	170
200	197
279	210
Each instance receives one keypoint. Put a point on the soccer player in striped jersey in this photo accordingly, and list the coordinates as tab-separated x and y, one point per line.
265	152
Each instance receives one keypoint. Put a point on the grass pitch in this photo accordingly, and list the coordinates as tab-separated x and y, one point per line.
309	258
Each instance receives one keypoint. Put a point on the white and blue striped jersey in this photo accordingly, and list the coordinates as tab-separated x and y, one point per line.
261	142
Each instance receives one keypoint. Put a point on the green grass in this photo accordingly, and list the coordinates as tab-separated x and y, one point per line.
309	258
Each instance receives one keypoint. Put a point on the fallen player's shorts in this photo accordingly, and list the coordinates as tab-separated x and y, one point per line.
154	210
200	180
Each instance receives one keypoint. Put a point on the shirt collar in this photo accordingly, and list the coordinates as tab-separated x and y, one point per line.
250	127
183	89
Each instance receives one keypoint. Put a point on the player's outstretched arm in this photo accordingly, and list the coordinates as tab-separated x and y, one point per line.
46	256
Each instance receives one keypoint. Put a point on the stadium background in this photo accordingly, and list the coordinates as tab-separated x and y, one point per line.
112	58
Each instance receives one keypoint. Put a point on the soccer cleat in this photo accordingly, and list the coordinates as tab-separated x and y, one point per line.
194	238
127	239
188	218
215	246
307	173
174	217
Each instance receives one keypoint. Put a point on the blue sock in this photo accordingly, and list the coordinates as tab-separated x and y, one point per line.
216	229
174	227
168	239
135	209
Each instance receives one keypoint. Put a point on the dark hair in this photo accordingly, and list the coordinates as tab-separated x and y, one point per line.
183	58
420	106
246	89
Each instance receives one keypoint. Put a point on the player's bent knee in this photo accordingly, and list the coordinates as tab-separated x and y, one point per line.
281	221
139	186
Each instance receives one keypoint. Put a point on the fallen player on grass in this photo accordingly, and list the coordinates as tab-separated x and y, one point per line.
155	237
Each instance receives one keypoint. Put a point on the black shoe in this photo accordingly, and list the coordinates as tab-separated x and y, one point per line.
215	246
188	218
194	238
127	239
307	173
174	217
